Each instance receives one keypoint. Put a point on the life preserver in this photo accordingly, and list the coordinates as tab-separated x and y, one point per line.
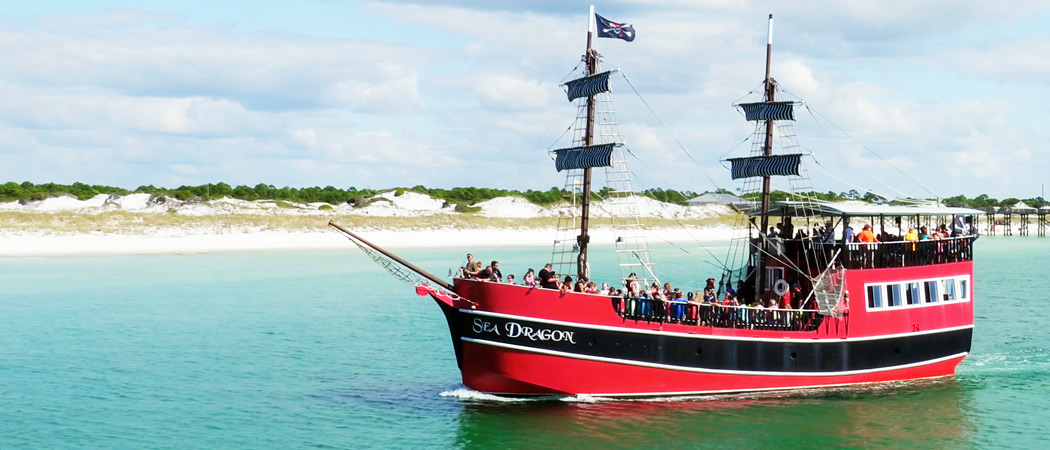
781	287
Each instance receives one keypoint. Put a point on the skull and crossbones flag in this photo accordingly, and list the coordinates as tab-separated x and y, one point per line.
615	30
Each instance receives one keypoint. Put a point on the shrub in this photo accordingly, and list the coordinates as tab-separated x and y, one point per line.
325	208
464	208
399	192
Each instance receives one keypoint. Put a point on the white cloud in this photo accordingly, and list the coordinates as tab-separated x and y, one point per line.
469	95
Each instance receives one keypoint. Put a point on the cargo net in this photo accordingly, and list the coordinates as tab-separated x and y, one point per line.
828	292
395	268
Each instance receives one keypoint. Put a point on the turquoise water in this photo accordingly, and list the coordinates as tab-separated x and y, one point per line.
324	350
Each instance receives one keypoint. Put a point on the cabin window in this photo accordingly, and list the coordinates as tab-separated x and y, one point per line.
914	293
949	290
875	294
773	274
894	298
917	293
931	291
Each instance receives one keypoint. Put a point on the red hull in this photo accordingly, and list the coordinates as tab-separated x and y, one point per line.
504	371
515	340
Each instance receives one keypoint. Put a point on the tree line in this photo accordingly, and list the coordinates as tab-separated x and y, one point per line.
28	192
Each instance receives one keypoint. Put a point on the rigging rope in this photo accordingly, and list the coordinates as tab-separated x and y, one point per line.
873	152
662	124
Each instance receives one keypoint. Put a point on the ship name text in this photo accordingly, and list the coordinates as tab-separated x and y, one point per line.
514	330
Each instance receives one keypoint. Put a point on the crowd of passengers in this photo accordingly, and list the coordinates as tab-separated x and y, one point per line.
862	249
634	299
962	227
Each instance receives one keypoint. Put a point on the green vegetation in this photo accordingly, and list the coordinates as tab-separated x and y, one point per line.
465	197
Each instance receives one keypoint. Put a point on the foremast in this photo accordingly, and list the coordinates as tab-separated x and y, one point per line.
583	239
597	144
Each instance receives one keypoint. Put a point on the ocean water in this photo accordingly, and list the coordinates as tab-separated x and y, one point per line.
325	350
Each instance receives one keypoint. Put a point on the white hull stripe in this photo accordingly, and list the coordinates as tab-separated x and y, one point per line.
701	370
808	340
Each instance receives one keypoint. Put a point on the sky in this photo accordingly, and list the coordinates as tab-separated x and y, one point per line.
900	98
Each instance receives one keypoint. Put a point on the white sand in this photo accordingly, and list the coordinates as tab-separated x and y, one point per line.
181	241
201	240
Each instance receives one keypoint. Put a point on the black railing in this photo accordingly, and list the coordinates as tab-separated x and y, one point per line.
907	253
721	316
877	255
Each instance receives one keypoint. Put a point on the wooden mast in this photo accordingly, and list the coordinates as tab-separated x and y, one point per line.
767	148
582	266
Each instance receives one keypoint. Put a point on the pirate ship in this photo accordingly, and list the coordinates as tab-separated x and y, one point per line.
793	310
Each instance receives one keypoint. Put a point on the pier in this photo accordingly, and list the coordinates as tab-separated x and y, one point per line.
1019	219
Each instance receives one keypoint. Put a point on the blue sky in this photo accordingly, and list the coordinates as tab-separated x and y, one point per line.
952	96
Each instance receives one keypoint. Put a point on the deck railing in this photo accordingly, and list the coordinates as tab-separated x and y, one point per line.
877	255
880	255
715	315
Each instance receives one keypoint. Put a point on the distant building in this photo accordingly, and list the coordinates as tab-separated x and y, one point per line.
719	199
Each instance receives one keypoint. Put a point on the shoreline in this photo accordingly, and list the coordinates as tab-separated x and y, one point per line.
181	240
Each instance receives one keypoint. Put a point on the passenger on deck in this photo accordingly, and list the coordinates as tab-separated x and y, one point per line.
547	278
923	234
497	276
911	236
605	289
468	270
788	229
510	279
567	285
847	234
866	236
710	293
530	278
581	286
486	274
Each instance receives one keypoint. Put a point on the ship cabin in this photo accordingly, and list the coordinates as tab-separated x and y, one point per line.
804	268
889	256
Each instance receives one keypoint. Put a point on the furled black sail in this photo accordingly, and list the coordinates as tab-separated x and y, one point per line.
765	166
584	157
589	85
769	111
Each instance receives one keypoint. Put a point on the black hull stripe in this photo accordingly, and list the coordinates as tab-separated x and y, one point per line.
811	357
701	370
808	338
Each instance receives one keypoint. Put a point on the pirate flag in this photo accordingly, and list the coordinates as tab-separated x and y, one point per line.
610	29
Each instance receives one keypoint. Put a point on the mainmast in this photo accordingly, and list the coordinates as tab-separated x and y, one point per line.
767	148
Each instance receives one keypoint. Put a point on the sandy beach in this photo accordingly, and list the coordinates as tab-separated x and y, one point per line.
136	224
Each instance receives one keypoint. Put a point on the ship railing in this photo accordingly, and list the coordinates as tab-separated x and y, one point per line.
716	315
880	255
907	253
